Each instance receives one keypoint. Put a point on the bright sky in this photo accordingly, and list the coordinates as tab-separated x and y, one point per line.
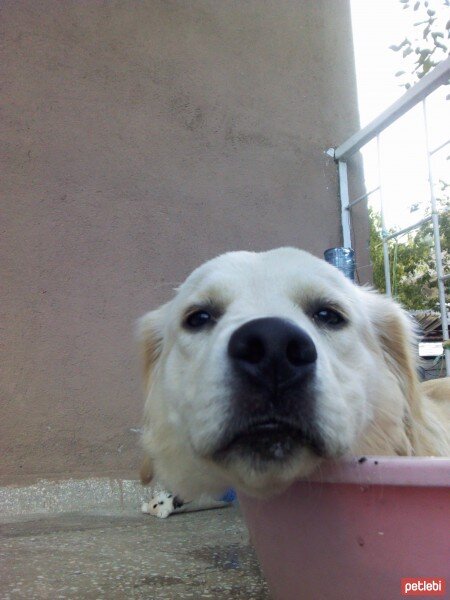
377	24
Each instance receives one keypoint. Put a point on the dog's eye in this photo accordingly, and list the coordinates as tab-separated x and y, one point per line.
328	317
198	319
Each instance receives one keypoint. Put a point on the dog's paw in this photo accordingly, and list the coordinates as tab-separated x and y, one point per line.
160	505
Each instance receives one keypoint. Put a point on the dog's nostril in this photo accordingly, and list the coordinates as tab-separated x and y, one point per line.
300	354
255	351
294	353
249	349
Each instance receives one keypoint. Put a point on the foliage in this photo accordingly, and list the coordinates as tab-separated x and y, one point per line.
412	260
428	45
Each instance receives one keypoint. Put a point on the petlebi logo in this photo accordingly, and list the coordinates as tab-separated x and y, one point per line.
423	586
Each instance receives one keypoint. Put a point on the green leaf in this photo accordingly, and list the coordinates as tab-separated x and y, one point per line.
441	46
426	31
397	48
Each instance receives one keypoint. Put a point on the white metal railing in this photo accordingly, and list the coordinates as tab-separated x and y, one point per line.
418	93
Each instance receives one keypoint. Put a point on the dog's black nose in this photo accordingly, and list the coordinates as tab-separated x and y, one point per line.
273	352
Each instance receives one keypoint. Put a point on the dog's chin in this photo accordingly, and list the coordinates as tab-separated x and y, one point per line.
262	478
265	444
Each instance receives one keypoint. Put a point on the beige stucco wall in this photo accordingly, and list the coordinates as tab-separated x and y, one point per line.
139	139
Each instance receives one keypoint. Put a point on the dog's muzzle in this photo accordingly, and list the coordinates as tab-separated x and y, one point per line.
272	370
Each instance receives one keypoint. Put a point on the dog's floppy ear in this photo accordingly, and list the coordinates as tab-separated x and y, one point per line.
397	336
146	471
396	333
151	338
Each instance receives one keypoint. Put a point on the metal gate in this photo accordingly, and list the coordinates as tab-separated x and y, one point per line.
418	93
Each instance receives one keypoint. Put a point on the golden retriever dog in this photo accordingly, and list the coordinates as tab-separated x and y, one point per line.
265	364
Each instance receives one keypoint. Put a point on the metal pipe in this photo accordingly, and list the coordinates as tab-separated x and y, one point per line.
360	198
387	274
345	213
439	147
437	243
439	75
406	229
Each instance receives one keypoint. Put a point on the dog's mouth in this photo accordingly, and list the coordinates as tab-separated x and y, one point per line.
269	440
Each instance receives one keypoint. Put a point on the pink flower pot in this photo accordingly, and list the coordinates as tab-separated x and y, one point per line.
355	529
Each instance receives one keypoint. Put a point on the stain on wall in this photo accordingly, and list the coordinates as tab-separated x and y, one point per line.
138	140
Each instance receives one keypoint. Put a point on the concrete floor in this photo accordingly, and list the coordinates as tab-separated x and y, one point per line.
101	555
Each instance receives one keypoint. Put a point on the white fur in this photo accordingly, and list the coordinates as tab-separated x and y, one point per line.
160	505
367	394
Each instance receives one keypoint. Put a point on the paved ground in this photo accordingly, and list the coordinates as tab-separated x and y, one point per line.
128	555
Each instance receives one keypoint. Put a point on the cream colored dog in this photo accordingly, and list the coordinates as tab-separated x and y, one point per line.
265	364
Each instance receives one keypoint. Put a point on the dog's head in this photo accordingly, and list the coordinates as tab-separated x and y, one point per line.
264	364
